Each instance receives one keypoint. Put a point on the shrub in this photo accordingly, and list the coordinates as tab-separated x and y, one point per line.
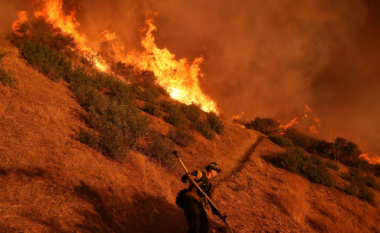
215	123
300	139
119	127
7	79
40	31
281	141
182	136
318	173
116	118
175	116
356	174
371	182
366	195
205	129
193	112
332	165
352	190
150	95
152	109
294	159
264	125
166	105
46	60
2	54
90	138
161	149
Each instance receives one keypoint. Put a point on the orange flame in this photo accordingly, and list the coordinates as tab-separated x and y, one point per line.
179	78
51	11
313	128
22	18
238	117
316	124
292	122
371	158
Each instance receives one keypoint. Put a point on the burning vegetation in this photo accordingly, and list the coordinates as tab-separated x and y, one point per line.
113	113
179	78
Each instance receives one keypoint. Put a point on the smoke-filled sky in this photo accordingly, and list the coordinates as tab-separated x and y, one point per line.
266	58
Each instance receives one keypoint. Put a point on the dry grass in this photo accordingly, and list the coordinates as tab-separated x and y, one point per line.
50	182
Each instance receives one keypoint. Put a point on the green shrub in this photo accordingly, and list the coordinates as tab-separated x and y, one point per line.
2	54
150	95
215	123
372	182
193	112
90	138
266	126
46	60
40	31
152	109
116	117
175	116
204	129
352	190
332	165
161	149
294	159
366	195
318	173
281	141
356	174
7	79
302	140
166	105
182	136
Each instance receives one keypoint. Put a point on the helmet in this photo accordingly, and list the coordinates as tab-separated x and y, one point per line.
213	166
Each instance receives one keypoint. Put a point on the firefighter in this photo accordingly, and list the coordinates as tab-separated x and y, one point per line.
192	200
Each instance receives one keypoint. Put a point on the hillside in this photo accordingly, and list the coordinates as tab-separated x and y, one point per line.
50	182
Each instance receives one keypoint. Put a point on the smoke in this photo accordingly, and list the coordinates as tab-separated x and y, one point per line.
266	58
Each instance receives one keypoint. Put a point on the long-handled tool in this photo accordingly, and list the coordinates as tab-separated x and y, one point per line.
196	185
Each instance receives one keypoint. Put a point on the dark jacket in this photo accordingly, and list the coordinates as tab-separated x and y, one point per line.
203	182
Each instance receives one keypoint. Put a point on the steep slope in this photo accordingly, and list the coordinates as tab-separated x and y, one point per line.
50	182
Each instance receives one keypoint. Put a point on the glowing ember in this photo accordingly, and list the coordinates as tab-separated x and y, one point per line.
179	77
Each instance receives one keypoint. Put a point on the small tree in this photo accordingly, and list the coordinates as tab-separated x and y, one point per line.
264	125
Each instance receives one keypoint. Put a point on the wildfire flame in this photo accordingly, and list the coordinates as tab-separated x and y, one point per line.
313	128
371	158
179	78
22	18
51	11
238	117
